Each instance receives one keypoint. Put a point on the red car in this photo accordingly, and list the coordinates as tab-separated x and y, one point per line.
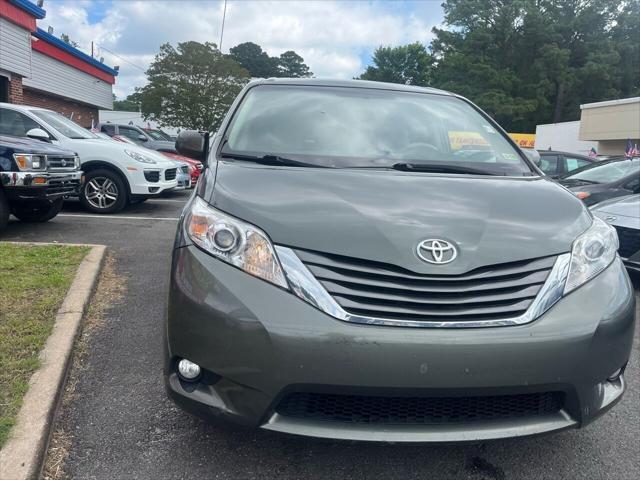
195	167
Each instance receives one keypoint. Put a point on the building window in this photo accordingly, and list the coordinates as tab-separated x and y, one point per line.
4	89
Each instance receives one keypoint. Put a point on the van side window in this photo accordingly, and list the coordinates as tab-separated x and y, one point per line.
108	129
549	164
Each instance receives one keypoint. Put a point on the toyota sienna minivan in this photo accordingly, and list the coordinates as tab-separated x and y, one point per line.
368	261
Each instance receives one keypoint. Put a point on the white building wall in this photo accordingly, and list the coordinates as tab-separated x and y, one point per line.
562	137
52	76
15	48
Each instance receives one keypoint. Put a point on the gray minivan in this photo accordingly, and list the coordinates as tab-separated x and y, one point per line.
370	261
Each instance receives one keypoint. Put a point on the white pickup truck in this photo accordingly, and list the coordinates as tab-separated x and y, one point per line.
116	174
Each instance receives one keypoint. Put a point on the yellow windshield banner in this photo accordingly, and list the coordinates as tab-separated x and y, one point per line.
524	140
460	140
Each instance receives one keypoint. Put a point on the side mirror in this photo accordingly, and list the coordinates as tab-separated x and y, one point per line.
142	138
193	144
38	134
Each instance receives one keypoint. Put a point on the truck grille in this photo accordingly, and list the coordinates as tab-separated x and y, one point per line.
170	174
380	290
60	163
56	187
417	410
629	241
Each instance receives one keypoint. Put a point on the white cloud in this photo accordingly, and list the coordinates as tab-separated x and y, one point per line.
331	36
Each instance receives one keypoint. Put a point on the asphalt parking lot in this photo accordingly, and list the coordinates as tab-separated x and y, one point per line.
124	427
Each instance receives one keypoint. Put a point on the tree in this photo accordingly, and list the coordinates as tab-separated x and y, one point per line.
191	86
290	64
129	104
251	57
408	64
535	61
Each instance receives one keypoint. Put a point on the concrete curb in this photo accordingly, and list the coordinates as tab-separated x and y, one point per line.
23	454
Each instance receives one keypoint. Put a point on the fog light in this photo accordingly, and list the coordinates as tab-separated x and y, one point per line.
188	370
615	375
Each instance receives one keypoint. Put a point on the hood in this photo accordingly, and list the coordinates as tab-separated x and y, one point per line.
88	147
628	206
29	145
161	145
382	215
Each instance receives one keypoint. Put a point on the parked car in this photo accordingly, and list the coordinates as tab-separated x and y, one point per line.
115	173
623	213
600	181
183	176
558	164
34	178
158	134
195	166
343	271
138	136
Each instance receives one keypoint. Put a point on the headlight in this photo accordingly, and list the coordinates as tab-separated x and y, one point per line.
30	162
139	157
592	252
234	241
77	162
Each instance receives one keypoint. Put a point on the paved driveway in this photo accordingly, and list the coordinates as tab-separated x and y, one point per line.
124	427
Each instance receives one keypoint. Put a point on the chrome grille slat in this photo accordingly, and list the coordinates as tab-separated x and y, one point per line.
376	289
354	291
54	162
431	286
379	268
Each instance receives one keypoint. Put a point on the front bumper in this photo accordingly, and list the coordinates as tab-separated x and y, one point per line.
40	186
258	342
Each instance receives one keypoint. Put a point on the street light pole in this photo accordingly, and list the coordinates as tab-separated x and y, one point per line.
224	14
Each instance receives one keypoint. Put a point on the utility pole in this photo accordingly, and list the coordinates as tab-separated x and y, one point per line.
224	14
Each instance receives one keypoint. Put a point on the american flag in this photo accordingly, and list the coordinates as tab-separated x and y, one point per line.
632	149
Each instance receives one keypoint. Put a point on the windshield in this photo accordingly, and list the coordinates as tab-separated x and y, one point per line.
63	125
606	172
363	127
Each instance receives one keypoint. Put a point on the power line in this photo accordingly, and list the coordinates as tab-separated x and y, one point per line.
123	59
224	14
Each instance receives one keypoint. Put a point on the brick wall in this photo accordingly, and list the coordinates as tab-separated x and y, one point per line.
82	114
15	89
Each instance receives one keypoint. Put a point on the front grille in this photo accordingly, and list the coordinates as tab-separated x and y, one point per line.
61	163
170	174
417	410
152	175
376	289
56	187
629	241
184	169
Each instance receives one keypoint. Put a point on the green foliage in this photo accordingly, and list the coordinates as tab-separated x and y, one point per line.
129	104
526	62
260	65
191	86
251	57
408	64
292	65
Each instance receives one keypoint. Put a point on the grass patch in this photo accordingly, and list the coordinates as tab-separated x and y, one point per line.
33	283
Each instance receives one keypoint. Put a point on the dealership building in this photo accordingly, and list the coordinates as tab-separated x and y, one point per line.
39	69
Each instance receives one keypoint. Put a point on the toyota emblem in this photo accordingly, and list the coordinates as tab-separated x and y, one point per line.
435	250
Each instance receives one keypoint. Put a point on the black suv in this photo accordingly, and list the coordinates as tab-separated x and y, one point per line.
34	179
558	164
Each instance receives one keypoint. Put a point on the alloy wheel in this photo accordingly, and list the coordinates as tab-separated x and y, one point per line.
101	192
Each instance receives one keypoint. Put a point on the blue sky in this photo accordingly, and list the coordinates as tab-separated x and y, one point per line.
336	38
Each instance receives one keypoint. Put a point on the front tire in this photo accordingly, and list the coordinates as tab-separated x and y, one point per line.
38	214
4	210
104	191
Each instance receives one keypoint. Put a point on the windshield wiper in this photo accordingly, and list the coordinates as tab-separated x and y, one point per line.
435	168
270	160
